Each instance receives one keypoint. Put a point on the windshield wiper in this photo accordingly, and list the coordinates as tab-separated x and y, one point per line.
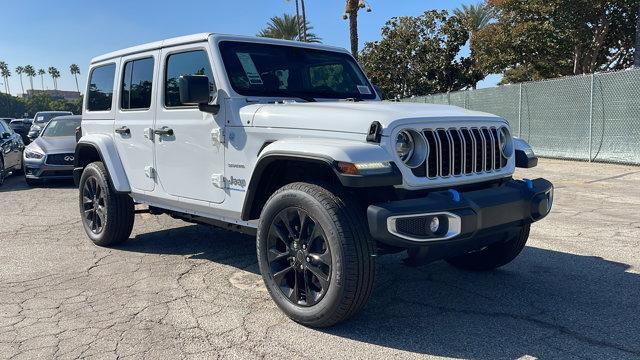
300	96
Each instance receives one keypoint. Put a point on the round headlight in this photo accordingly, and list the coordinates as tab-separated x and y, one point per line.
404	145
411	148
505	141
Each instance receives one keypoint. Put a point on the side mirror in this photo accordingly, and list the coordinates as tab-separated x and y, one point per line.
6	135
194	90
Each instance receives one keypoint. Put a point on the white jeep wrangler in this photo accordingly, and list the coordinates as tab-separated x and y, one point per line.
291	142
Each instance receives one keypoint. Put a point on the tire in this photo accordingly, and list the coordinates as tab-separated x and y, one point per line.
494	255
32	182
333	292
107	217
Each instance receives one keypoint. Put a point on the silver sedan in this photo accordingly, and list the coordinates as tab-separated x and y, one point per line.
51	155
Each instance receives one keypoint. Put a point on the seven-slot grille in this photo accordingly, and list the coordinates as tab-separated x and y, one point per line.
60	159
461	151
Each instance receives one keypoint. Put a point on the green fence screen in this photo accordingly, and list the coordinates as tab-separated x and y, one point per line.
590	117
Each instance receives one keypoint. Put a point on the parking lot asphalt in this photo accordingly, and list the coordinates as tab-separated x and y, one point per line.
179	290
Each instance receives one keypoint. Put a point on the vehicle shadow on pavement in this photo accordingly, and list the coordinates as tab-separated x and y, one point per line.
17	183
546	304
198	242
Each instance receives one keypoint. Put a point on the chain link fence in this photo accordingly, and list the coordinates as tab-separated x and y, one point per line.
589	117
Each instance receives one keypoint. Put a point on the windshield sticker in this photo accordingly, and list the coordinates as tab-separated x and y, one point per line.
250	68
40	118
364	90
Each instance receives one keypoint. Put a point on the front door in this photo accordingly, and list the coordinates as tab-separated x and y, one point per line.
10	147
189	157
135	116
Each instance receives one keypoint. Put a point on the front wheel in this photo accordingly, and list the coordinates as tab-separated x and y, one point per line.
315	254
107	217
494	255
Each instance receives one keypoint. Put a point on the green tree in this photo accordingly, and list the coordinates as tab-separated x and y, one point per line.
75	71
41	72
31	73
351	12
20	71
420	56
11	106
5	73
287	27
55	74
539	39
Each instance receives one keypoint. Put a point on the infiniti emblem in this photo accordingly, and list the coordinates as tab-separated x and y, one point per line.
68	158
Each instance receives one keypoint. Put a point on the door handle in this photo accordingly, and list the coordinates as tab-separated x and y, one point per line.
164	131
123	130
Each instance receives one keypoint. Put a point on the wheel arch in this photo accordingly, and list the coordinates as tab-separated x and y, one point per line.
101	148
278	169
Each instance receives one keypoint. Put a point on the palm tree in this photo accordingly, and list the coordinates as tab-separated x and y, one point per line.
19	71
5	73
351	13
304	22
41	72
475	17
288	28
30	72
75	71
297	18
55	74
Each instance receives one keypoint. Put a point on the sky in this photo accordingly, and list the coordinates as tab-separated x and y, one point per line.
57	33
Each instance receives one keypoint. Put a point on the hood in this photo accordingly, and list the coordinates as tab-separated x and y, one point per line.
356	117
56	144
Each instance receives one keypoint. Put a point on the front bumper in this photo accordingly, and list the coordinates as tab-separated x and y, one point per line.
38	170
462	217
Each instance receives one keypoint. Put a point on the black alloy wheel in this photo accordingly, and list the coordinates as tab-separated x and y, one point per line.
107	216
94	204
299	256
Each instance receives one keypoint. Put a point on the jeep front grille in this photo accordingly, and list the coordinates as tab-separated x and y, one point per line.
461	151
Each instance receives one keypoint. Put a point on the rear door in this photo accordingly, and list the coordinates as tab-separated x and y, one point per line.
190	160
135	116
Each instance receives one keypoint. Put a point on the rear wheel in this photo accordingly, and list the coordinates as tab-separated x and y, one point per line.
494	255
107	216
315	254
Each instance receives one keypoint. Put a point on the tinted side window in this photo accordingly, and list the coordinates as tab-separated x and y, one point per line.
101	88
186	63
136	84
3	127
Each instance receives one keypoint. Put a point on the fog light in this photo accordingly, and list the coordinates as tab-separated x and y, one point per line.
434	225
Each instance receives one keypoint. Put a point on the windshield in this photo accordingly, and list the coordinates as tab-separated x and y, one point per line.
45	117
61	127
288	71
